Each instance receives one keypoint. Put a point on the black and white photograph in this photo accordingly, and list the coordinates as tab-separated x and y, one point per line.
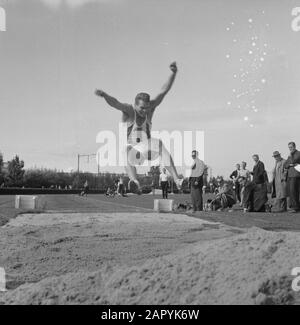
149	155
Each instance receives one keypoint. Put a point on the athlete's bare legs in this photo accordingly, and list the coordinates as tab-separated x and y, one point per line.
165	158
131	171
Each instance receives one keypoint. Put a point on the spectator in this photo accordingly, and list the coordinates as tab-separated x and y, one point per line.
121	190
244	173
164	183
256	192
279	191
224	199
85	189
196	182
110	192
291	165
153	187
220	183
236	185
211	187
247	201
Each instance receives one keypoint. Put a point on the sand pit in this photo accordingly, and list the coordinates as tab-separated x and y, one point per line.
154	259
37	246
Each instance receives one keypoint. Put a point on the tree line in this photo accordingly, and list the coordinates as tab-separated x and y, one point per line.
14	175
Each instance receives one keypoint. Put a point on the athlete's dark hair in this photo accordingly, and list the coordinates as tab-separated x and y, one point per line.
292	144
142	96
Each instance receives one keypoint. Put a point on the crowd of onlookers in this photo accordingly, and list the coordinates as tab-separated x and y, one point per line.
118	188
251	188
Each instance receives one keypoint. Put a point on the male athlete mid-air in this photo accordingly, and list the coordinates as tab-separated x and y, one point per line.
138	118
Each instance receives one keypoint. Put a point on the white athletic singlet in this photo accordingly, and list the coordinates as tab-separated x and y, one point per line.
138	133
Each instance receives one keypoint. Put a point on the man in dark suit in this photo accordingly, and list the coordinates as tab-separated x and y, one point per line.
293	177
259	173
260	190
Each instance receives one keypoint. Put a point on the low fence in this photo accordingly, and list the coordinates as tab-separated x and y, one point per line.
35	191
46	191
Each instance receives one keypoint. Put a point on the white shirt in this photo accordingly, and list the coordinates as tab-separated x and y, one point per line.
163	177
197	169
245	173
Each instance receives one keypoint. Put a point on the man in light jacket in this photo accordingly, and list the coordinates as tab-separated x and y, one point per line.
279	175
291	164
196	182
235	178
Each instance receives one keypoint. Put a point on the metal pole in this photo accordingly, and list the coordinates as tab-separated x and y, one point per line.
98	165
78	162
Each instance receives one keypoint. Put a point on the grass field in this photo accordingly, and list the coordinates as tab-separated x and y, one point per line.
100	203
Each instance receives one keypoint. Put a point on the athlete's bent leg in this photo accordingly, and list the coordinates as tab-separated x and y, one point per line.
131	171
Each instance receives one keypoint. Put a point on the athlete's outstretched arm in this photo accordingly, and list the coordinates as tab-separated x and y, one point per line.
113	102
159	98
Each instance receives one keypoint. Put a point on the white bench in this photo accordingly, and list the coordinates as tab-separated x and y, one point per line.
163	205
26	202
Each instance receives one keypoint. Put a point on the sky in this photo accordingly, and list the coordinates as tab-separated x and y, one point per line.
238	78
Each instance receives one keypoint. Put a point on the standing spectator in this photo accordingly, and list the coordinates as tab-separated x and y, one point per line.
247	200
153	187
196	182
116	185
85	189
246	175
121	190
293	177
260	190
211	187
235	178
279	183
258	170
244	172
164	183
